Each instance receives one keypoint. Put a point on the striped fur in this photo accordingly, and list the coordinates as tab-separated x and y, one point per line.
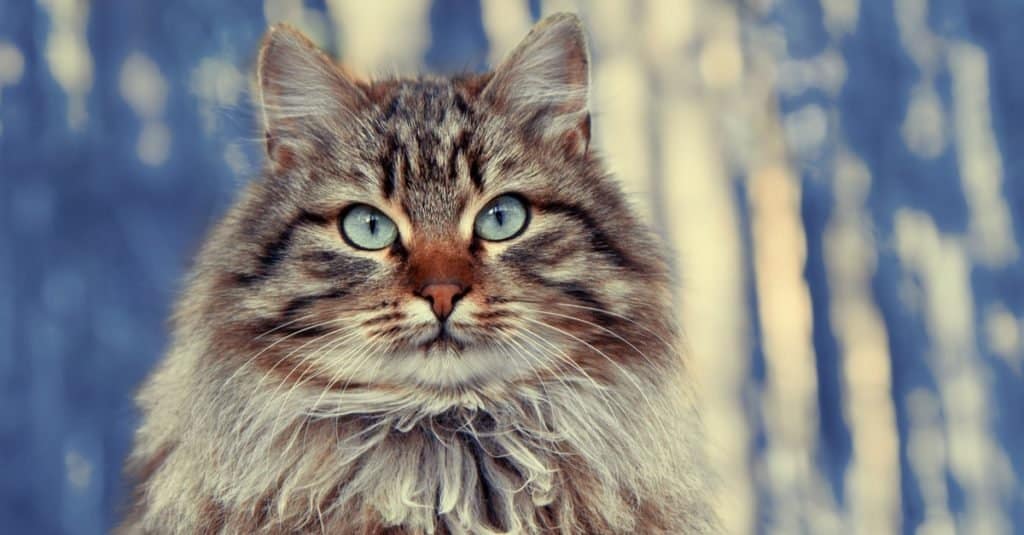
303	392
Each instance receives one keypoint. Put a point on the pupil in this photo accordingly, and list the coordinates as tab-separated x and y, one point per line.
499	216
372	222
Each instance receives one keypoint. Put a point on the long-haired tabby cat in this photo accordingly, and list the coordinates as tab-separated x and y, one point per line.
433	313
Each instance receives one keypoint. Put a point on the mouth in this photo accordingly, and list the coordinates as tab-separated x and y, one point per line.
444	341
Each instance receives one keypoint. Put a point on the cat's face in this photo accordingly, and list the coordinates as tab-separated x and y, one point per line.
444	233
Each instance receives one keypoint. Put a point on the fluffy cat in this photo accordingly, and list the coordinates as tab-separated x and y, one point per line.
434	313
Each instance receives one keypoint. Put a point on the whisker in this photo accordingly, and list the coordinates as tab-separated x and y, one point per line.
362	353
574	396
344	330
557	352
604	329
271	346
351	354
267	373
526	354
347	333
223	387
611	361
668	345
285	324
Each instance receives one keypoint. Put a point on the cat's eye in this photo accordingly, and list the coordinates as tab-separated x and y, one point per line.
503	218
366	227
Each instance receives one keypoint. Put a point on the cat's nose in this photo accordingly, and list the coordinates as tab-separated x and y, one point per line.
443	296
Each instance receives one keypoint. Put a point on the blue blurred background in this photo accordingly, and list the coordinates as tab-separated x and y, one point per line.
842	182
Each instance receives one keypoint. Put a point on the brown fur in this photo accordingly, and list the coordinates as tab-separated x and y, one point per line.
304	392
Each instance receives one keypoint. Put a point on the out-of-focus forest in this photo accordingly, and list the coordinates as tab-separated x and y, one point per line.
841	183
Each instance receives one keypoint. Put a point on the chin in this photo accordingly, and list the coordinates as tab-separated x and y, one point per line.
448	361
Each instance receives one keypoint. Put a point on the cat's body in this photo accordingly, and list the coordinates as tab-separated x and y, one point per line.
442	383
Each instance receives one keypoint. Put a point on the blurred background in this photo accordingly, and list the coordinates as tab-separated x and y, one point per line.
841	183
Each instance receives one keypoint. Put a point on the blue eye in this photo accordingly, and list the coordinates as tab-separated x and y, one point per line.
503	218
366	227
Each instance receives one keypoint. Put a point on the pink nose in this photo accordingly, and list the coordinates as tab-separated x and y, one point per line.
442	297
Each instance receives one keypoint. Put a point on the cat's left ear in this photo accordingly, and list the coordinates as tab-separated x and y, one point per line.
303	95
544	83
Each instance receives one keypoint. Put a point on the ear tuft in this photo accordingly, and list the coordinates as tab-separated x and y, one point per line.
301	90
546	81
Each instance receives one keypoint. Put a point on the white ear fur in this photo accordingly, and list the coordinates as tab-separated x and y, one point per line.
547	77
300	89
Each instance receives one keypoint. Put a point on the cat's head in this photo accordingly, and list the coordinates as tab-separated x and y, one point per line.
434	232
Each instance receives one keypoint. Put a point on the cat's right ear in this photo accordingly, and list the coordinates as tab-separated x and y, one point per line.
303	95
545	83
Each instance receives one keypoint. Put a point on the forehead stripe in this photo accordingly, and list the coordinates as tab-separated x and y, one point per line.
388	166
463	145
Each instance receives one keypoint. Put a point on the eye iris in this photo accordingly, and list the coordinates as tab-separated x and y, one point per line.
503	218
365	227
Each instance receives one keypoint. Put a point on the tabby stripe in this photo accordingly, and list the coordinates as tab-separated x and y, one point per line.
387	164
461	105
492	514
272	326
475	172
330	265
320	256
463	145
599	241
577	291
492	314
300	304
277	250
537	249
392	108
406	162
574	289
393	316
459	147
294	368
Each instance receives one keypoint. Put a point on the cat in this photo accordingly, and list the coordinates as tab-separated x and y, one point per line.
433	313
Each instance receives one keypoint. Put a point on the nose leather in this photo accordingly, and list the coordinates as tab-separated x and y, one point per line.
442	296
